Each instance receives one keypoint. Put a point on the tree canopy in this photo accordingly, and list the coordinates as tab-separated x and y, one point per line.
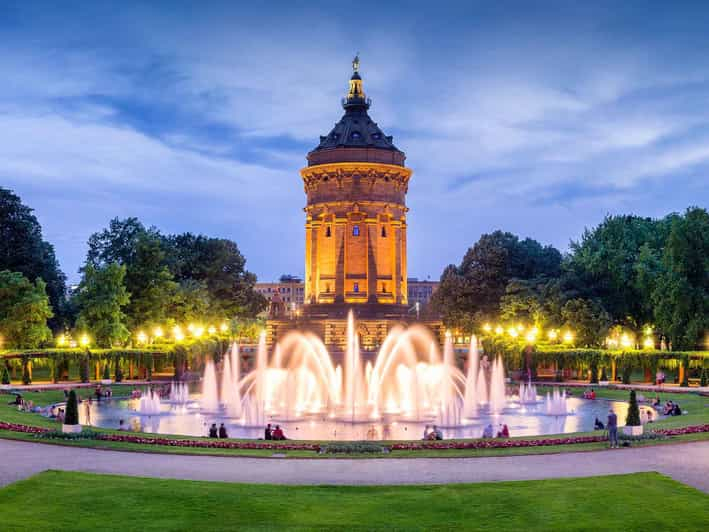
101	298
181	277
24	311
23	250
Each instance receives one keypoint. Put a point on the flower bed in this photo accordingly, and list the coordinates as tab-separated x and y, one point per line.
316	447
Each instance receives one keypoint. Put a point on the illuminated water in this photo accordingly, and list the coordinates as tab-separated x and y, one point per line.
410	383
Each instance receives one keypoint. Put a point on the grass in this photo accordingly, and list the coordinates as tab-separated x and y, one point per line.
697	406
56	500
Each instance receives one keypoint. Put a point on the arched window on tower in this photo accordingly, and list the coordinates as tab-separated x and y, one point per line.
328	232
355	230
356	287
384	231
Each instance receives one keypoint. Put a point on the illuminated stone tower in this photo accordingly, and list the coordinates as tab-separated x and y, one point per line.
355	228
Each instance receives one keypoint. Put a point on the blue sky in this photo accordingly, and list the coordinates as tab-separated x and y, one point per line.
536	118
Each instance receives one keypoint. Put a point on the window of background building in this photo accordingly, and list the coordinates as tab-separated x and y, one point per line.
355	230
327	232
384	231
356	286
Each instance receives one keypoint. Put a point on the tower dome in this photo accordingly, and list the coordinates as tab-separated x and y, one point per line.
356	137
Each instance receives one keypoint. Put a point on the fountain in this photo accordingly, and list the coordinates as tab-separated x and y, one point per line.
210	398
179	393
498	400
555	404
527	393
149	404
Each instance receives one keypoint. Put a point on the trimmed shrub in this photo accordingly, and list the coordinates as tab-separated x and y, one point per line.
59	435
71	416
594	371
84	369
627	370
106	373
604	375
5	375
633	418
353	447
119	372
702	381
26	379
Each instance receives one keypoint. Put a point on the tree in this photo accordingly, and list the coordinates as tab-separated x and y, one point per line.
24	311
681	294
588	320
101	298
633	418
612	262
71	416
218	263
84	368
192	302
5	378
476	287
23	250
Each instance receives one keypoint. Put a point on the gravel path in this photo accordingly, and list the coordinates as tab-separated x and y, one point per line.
688	463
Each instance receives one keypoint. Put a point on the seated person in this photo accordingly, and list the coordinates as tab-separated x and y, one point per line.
426	432
437	433
487	433
505	431
592	394
668	408
657	401
222	431
598	425
213	432
676	411
278	433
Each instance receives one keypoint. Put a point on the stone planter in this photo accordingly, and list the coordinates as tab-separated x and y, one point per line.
106	381
632	430
71	429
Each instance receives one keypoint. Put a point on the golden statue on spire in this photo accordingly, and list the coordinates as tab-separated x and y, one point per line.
355	63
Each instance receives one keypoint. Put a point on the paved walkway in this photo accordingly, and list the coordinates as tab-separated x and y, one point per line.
688	463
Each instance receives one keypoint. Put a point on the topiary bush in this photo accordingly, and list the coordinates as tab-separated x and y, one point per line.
119	372
71	416
353	447
594	371
627	370
604	375
84	369
703	381
26	379
5	375
106	373
633	418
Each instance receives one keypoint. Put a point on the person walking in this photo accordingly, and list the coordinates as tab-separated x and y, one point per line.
612	426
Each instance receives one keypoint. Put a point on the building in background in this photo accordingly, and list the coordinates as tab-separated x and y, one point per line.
285	297
421	291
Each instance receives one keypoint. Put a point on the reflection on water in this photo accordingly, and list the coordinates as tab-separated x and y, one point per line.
526	420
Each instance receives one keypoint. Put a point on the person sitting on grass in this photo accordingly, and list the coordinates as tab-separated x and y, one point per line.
438	435
17	401
505	432
278	433
668	408
222	431
487	433
121	425
656	402
426	431
213	433
268	433
598	425
676	410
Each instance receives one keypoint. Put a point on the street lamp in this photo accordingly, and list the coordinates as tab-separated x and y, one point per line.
84	340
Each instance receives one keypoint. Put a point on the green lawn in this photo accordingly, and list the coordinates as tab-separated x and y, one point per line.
79	501
696	405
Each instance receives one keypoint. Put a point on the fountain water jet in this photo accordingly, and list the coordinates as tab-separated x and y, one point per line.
210	398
